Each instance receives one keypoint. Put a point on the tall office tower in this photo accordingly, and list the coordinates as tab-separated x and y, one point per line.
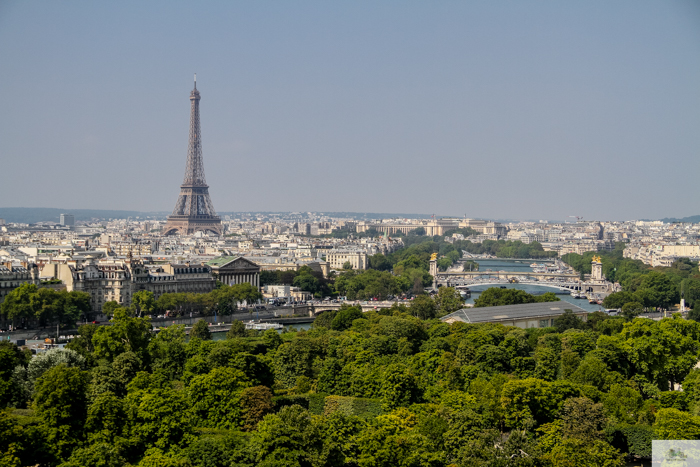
68	220
194	210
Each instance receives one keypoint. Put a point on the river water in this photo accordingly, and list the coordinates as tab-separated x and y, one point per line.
524	267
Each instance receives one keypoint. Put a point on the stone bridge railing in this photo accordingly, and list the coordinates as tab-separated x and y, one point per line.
366	306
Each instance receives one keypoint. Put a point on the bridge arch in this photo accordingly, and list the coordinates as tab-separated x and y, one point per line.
561	286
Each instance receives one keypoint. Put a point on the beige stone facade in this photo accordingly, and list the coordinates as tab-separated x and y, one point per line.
118	281
235	270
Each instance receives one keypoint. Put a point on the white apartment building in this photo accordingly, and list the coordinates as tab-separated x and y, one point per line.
336	259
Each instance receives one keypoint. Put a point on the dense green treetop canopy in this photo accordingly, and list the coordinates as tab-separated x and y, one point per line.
388	387
495	296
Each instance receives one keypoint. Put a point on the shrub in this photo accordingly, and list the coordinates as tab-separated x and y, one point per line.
353	406
633	439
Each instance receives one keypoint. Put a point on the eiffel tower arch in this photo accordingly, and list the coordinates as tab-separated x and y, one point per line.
194	210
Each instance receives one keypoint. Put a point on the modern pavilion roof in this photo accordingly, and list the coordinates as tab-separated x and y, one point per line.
512	312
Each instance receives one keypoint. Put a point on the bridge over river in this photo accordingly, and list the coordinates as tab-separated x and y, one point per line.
561	276
559	285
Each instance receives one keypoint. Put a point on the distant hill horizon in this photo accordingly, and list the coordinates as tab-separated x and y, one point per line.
36	215
682	220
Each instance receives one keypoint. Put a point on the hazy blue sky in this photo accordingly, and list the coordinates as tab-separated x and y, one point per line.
490	109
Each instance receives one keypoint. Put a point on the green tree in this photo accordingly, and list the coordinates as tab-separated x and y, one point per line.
632	309
423	307
662	351
345	316
617	299
546	363
18	303
491	359
110	307
592	371
246	292
83	343
98	455
534	399
167	350
256	402
399	388
126	334
494	296
60	398
43	306
215	397
570	361
380	262
568	321
144	302
448	300
572	452
256	368
200	330
126	365
583	419
674	424
10	357
26	380
272	339
295	358
237	330
325	319
367	284
664	291
162	417
623	404
108	422
290	438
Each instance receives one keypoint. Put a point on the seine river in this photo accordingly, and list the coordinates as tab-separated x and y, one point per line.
523	266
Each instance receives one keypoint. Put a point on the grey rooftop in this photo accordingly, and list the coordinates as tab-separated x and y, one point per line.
513	312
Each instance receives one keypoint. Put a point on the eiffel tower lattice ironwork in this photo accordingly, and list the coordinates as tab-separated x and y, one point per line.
194	210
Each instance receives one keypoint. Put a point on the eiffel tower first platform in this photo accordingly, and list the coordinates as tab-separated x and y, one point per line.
194	210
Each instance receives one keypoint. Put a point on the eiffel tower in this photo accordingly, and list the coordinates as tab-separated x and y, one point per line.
194	210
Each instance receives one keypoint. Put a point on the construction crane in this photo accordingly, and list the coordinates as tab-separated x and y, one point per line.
578	218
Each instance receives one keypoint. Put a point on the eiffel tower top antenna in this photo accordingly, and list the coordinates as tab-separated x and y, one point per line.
195	80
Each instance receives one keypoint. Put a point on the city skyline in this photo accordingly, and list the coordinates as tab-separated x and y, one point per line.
494	111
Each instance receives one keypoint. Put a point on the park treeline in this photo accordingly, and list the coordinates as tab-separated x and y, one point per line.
32	306
495	296
644	287
222	300
390	388
40	306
